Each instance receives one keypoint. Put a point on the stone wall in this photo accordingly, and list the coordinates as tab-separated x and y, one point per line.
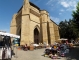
27	19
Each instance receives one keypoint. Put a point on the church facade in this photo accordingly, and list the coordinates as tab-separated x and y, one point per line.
34	25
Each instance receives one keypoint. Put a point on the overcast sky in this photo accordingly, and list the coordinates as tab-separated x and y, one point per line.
59	10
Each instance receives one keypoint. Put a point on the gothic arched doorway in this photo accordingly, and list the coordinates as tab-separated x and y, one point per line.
36	36
19	33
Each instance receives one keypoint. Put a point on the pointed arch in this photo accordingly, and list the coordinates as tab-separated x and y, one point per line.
37	27
36	34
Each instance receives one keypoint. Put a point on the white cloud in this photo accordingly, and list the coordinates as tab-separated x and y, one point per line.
49	2
69	4
60	13
62	10
6	30
55	19
52	4
65	4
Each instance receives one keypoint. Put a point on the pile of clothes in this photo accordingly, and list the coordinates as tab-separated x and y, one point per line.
56	50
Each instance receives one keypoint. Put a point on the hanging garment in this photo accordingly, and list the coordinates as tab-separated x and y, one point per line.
1	51
8	53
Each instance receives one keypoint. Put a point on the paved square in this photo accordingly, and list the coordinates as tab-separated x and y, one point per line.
32	55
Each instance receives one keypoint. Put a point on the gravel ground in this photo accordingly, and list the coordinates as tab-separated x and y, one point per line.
32	55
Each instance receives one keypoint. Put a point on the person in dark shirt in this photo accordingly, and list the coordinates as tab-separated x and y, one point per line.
1	44
7	41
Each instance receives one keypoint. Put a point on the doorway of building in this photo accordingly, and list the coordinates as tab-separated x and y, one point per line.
19	39
36	36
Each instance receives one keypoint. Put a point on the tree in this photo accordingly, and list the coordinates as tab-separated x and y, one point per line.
67	30
75	15
70	29
63	29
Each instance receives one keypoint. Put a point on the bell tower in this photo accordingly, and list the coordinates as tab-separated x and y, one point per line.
25	23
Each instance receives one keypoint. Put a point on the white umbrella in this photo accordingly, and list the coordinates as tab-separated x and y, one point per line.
2	33
16	36
35	45
62	39
8	34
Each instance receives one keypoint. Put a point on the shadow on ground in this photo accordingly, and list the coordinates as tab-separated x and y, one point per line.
12	52
73	54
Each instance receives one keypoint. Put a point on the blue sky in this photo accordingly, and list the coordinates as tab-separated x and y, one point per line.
59	10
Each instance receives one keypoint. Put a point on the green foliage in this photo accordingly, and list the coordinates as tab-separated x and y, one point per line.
70	29
63	27
67	29
75	15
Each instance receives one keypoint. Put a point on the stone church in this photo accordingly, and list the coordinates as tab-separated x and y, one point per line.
34	25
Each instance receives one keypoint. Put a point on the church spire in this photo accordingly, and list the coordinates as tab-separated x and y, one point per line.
26	4
26	7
